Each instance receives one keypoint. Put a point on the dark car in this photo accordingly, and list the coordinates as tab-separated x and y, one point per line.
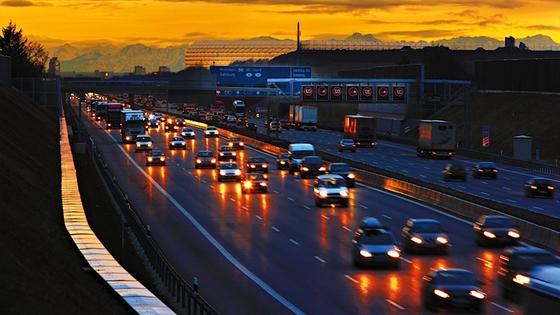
454	171
169	127
282	161
177	143
286	124
229	171
251	126
425	235
495	230
241	121
226	153
515	264
375	247
257	164
539	186
188	133
485	169
371	223
236	143
346	145
152	123
343	170
180	123
254	182
452	288
155	157
205	159
312	166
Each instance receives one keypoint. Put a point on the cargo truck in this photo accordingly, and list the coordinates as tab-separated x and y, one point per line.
436	138
303	117
238	108
361	129
132	124
113	118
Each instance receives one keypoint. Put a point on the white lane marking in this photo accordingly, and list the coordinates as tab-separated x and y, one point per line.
537	208
363	206
275	229
461	187
245	208
347	228
306	207
212	186
511	200
423	176
320	259
203	181
406	260
484	193
387	217
351	279
232	200
502	307
484	260
294	242
259	217
324	217
390	166
395	304
234	261
427	168
374	162
276	191
506	188
485	183
290	198
190	173
405	171
178	164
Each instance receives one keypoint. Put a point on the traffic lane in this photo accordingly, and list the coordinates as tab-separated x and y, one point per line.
223	285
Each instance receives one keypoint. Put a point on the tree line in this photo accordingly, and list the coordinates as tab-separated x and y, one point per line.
28	57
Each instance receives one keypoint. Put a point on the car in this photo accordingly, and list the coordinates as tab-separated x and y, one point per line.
226	153
425	235
485	169
346	145
312	166
229	171
452	288
375	246
254	182
168	127
177	143
152	123
155	157
283	161
179	123
454	171
515	264
342	169
205	159
286	124
274	126
539	186
495	230
162	117
251	126
257	164
143	143
241	121
371	223
330	189
236	143
211	132
230	119
187	133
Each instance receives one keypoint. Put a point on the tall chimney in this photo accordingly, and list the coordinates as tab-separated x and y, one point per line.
298	34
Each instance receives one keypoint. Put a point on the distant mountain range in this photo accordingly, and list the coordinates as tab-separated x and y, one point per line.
109	57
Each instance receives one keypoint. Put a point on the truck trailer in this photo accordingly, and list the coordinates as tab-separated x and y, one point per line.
436	138
303	117
361	129
113	118
132	124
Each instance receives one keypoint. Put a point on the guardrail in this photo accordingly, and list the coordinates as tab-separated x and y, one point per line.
138	298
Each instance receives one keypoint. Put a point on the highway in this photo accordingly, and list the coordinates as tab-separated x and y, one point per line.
507	189
277	253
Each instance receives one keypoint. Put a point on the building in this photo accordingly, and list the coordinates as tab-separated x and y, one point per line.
522	46
164	69
510	42
54	67
139	70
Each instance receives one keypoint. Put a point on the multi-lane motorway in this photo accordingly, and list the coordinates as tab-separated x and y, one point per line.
507	189
277	253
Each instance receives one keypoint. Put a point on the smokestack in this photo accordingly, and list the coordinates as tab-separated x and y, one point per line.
298	34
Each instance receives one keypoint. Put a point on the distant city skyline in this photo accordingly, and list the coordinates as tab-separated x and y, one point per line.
174	22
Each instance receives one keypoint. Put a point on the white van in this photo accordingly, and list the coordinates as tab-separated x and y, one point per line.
297	151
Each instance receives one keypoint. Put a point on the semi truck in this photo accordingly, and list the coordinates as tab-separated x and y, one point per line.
436	138
113	118
132	124
303	117
361	129
238	108
99	109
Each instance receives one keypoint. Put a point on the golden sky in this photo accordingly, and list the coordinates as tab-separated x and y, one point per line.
172	22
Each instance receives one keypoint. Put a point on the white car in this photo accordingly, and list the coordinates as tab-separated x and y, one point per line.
144	143
230	119
211	131
330	189
187	133
229	171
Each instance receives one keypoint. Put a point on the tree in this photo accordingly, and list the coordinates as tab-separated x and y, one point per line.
28	57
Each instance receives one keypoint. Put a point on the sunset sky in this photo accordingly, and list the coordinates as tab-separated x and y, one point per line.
172	22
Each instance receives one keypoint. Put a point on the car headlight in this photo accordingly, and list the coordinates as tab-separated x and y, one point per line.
365	253
351	176
416	240
477	294
183	143
441	294
442	239
323	193
149	144
237	172
127	138
213	161
305	169
344	193
198	161
263	184
241	143
247	184
233	153
109	124
322	169
264	165
282	162
513	234
150	159
252	166
550	187
489	234
533	187
394	253
521	279
162	158
222	172
230	144
221	154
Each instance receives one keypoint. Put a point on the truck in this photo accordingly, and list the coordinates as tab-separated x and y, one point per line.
99	109
113	118
238	108
361	129
132	124
303	117
436	138
296	153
